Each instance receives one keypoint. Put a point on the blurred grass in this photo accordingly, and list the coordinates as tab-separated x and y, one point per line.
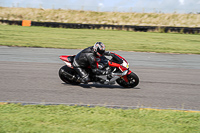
76	119
11	35
91	17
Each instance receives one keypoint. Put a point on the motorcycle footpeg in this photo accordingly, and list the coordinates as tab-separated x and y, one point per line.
102	81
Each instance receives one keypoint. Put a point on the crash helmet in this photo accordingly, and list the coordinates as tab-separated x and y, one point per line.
99	48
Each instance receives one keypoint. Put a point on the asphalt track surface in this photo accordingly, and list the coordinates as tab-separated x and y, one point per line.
169	81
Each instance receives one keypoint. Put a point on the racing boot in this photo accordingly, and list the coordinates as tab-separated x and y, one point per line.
82	76
84	80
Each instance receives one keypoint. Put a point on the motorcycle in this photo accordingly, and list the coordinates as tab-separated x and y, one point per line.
117	65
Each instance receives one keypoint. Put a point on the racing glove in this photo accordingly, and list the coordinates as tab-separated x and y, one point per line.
109	53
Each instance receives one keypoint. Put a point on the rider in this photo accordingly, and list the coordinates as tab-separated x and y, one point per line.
87	57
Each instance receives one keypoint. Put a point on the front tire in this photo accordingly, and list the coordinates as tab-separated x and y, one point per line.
65	78
133	81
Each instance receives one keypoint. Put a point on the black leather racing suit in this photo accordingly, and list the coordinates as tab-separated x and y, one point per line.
86	58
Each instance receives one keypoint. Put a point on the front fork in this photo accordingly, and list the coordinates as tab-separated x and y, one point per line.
125	76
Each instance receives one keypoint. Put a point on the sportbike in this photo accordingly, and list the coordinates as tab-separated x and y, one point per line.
117	65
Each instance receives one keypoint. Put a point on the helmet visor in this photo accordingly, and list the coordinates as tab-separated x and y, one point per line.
102	51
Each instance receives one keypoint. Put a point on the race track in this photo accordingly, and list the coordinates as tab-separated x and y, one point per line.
30	75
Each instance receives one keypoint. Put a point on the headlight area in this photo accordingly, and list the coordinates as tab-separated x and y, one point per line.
125	64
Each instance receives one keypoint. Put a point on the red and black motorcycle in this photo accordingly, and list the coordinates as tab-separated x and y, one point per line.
118	66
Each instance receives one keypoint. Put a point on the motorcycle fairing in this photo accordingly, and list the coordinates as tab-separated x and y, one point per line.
68	59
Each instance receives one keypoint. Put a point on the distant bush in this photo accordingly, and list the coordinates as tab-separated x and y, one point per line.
91	17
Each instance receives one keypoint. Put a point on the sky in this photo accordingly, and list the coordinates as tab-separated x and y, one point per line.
164	6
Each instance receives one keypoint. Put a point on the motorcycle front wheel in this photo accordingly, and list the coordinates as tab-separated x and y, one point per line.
64	78
133	81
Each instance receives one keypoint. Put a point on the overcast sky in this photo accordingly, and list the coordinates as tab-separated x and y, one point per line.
166	6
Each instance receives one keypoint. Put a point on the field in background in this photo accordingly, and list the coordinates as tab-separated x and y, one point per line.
114	40
91	17
76	119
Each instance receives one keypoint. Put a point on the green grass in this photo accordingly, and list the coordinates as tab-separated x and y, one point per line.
39	118
11	35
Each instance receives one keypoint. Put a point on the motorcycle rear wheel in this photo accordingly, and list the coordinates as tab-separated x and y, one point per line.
133	81
66	79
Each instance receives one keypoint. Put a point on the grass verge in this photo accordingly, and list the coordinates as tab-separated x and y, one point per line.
61	118
11	35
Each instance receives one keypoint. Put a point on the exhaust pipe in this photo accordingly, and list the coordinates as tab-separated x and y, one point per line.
68	75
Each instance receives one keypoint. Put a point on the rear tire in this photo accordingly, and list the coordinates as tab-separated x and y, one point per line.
133	81
66	79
